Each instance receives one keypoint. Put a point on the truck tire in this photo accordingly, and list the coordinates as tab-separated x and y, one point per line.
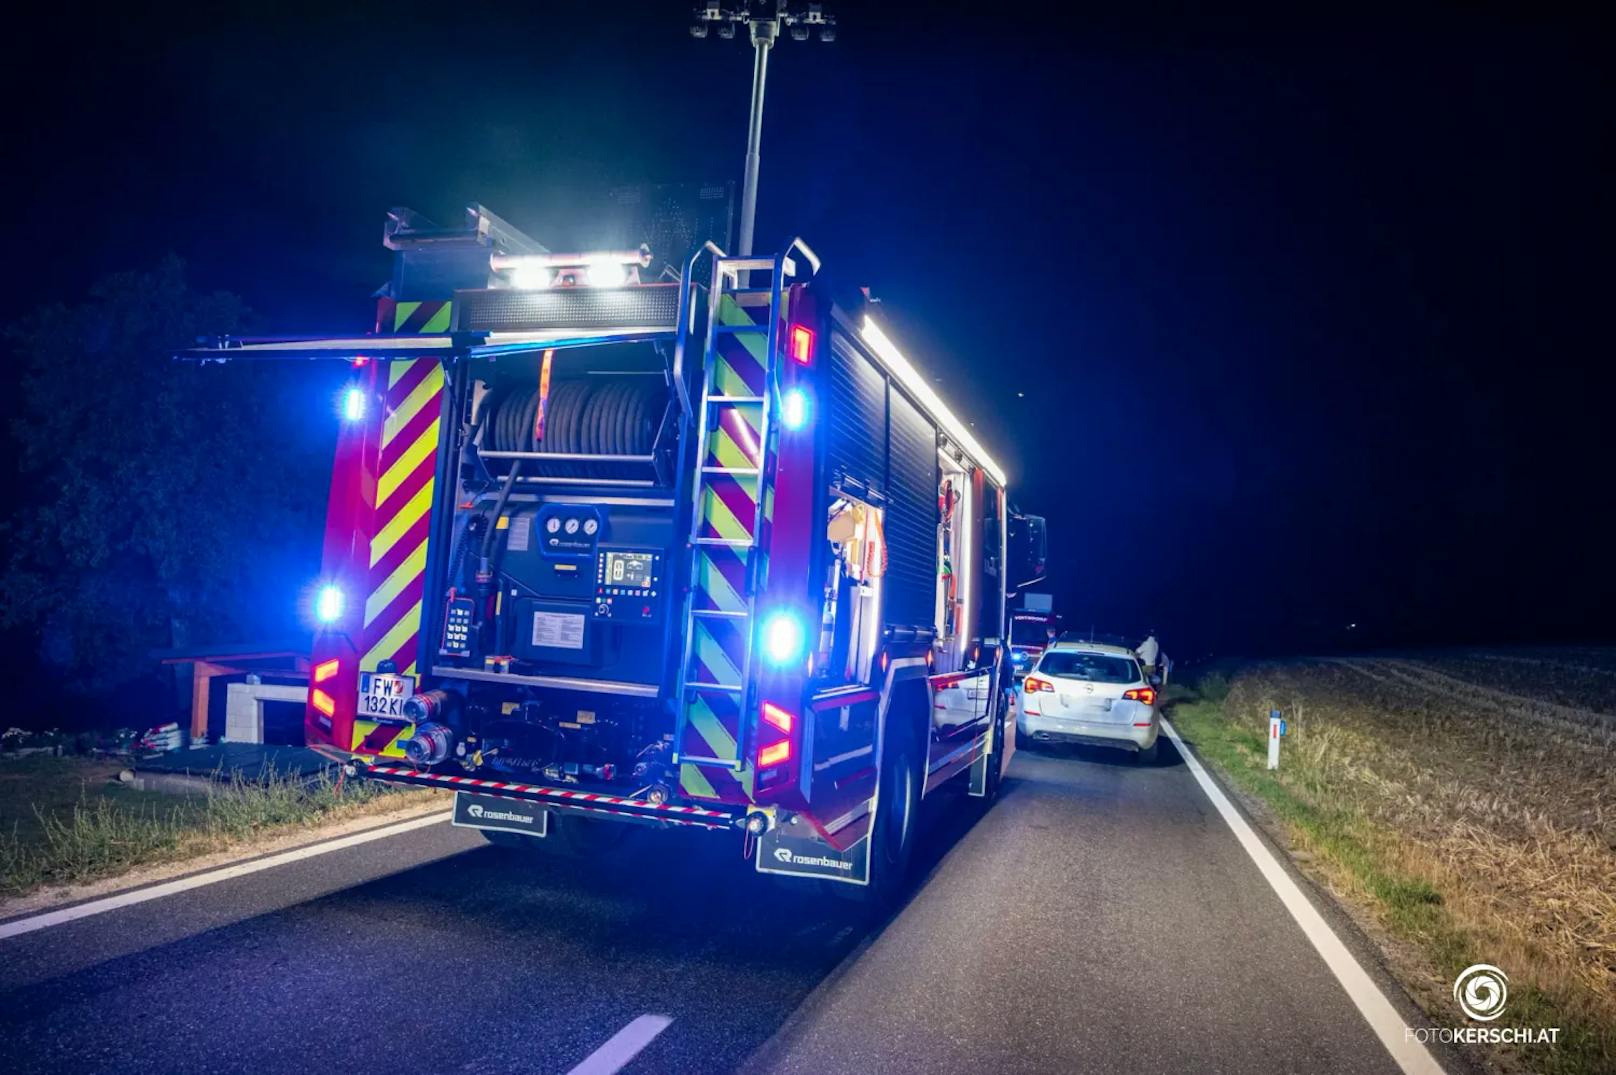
995	774
897	809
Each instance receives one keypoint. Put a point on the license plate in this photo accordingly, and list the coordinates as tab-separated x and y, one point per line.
383	695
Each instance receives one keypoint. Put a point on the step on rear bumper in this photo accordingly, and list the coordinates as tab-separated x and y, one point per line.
565	799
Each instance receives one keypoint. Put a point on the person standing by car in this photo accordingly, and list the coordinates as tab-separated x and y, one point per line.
1149	651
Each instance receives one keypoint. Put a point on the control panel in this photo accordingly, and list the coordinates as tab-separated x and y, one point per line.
457	621
628	585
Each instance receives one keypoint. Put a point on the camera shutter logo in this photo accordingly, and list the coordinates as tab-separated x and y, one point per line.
1482	991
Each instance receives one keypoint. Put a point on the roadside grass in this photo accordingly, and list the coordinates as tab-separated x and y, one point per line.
1347	810
68	821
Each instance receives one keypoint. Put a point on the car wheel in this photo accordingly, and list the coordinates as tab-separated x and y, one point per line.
1148	755
1025	741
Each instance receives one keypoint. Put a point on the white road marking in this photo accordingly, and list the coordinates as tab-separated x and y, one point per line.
622	1046
211	877
1378	1012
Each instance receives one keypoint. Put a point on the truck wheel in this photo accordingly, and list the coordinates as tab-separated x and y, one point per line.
897	809
995	766
514	841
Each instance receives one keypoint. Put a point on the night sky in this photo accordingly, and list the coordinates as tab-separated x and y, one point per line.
1285	325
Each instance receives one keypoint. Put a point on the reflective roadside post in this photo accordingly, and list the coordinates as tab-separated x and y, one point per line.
1275	727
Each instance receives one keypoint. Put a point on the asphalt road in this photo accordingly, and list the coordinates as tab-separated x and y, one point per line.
1100	917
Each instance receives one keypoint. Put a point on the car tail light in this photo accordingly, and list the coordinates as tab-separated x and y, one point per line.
1146	695
1035	683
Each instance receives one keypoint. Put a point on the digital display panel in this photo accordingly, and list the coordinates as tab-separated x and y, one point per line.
629	569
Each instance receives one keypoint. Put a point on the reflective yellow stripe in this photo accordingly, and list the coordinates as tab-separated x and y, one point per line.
419	397
400	524
405	465
711	729
401	314
439	322
695	782
405	573
390	643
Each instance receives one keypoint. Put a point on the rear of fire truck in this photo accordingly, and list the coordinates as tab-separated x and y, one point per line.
699	550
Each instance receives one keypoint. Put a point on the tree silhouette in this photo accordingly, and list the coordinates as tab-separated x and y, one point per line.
159	499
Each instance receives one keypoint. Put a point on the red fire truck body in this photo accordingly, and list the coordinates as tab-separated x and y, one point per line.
704	551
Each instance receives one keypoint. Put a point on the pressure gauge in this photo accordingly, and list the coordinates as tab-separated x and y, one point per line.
553	525
591	525
572	526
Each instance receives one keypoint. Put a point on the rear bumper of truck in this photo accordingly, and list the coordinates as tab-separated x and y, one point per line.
640	811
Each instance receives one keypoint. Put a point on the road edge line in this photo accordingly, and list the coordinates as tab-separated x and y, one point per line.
616	1051
1379	1012
32	923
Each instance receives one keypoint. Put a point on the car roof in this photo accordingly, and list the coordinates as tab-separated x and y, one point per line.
1093	647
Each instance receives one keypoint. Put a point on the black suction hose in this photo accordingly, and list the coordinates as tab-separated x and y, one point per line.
499	509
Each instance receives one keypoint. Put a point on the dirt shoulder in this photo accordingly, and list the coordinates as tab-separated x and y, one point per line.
1456	826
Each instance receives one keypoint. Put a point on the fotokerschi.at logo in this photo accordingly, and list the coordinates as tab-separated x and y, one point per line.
1482	991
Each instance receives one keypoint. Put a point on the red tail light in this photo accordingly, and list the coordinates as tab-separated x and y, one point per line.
1146	695
778	717
775	739
318	698
1034	683
802	344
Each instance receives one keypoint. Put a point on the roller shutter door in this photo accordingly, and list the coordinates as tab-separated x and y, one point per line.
911	516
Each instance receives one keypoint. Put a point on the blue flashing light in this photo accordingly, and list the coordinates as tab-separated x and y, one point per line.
783	638
794	409
353	403
328	604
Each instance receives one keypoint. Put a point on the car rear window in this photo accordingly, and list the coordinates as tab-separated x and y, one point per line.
1094	667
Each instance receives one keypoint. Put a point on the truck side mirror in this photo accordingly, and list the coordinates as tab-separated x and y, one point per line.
1028	541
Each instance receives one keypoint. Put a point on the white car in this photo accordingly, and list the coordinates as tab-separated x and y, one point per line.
1085	692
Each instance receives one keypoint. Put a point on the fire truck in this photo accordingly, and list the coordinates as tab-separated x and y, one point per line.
610	549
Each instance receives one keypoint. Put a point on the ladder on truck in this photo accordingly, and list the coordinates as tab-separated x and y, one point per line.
730	500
